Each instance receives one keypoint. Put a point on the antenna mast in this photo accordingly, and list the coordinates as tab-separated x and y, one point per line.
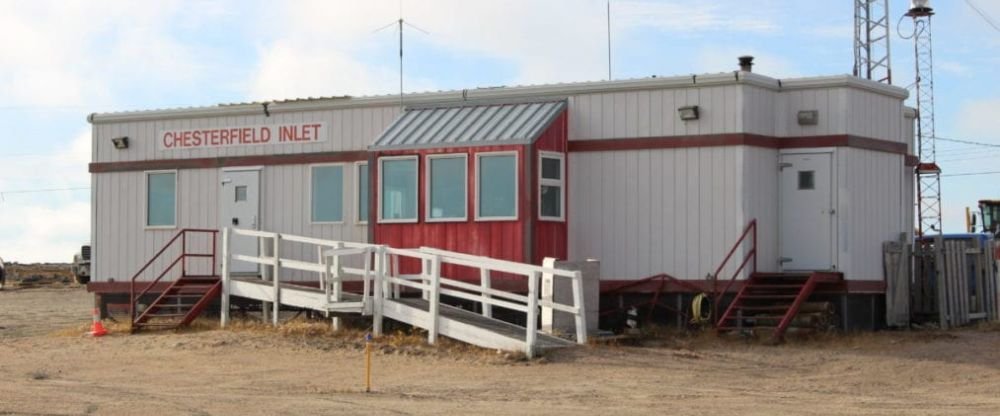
871	40
609	40
928	172
400	22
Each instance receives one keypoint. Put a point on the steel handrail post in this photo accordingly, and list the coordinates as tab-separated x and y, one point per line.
183	253
215	236
276	277
224	313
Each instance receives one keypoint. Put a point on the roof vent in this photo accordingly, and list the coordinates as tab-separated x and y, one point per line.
746	63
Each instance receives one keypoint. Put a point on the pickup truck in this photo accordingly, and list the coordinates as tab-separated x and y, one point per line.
81	265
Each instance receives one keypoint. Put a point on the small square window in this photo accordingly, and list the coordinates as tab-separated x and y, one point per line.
241	193
551	168
807	179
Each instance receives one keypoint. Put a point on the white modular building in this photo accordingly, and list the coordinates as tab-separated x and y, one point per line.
650	176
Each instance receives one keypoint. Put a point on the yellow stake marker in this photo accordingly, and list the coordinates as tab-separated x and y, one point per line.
368	363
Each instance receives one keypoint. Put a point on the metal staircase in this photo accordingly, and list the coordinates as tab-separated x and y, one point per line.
771	301
179	304
189	292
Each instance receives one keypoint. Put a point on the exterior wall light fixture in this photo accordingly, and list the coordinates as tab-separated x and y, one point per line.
689	112
808	117
120	142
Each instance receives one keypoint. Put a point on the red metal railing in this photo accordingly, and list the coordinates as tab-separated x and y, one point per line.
751	255
181	258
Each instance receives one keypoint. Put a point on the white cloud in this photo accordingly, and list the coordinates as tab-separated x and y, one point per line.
46	226
43	233
951	67
978	120
687	16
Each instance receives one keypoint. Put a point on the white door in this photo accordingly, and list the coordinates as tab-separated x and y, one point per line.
241	209
806	212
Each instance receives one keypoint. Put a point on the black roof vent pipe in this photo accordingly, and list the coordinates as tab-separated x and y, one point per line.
746	63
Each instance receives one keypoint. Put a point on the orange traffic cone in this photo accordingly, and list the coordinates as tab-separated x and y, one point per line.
97	330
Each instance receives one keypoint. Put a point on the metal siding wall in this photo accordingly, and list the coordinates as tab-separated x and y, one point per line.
654	113
645	212
121	242
759	110
871	209
869	115
120	234
829	102
348	129
759	193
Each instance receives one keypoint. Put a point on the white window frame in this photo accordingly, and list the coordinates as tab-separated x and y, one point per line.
343	177
561	183
416	185
358	167
427	182
145	199
517	186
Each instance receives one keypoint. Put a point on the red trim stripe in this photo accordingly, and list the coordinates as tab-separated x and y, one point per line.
602	145
736	139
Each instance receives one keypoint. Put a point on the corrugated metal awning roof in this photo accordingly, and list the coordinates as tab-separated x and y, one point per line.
470	125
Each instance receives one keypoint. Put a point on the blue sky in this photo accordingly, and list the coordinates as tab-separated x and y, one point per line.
60	60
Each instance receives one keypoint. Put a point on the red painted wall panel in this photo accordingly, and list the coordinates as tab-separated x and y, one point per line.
498	239
550	237
508	240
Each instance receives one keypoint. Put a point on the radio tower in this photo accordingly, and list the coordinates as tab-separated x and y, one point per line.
871	40
928	172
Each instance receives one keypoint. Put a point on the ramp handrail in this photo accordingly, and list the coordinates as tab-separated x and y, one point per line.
181	258
382	279
749	231
433	284
328	265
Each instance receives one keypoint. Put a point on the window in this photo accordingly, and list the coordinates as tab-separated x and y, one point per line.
551	181
496	188
398	189
327	193
807	179
161	199
362	192
241	193
446	187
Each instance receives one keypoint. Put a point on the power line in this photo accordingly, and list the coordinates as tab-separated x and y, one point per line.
32	191
972	173
970	142
989	20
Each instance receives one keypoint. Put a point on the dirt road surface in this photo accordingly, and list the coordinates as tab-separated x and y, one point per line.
47	367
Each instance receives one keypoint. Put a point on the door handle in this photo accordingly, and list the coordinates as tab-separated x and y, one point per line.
236	221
